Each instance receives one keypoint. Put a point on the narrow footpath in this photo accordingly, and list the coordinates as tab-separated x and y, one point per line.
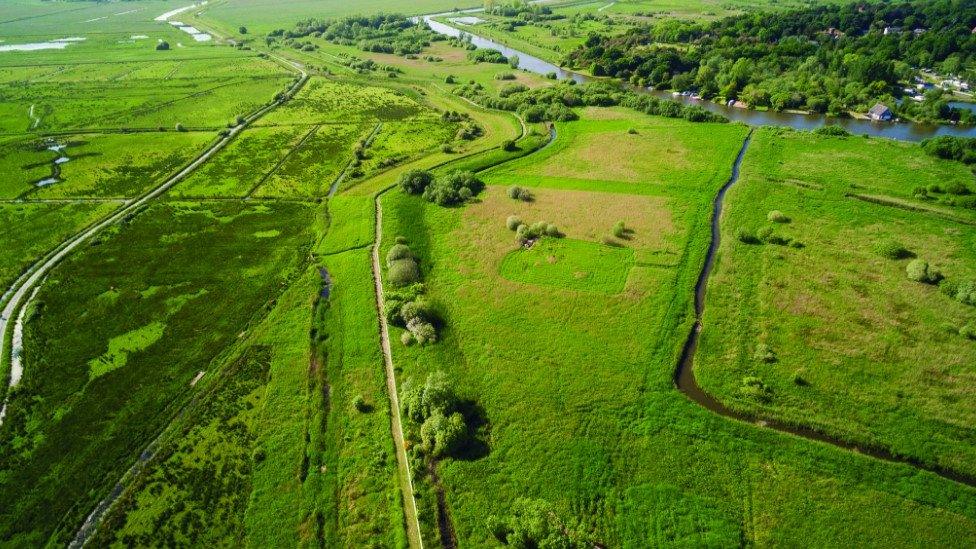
396	422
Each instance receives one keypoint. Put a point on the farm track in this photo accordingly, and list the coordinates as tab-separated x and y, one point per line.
445	527
403	465
684	376
17	295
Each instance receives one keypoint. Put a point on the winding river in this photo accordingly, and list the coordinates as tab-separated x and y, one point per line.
893	130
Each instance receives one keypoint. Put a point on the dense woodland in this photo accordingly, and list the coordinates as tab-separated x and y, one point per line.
381	33
826	59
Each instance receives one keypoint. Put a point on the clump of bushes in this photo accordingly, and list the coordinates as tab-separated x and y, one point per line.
963	292
765	235
764	354
777	216
753	387
920	271
450	190
505	76
534	523
519	193
407	308
891	249
620	230
525	233
435	408
360	404
968	331
832	130
402	268
487	56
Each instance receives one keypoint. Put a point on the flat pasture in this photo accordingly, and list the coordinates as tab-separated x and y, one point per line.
858	350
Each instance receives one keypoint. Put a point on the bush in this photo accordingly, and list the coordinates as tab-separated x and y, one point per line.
513	222
919	271
443	435
764	233
519	193
832	130
509	145
632	131
360	404
891	249
423	331
753	387
968	331
764	354
162	46
963	292
401	239
446	191
406	338
450	79
180	127
505	76
777	216
619	229
403	272
552	230
397	252
415	181
746	236
416	310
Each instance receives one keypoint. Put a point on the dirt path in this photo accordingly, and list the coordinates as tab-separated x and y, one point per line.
17	295
684	376
403	465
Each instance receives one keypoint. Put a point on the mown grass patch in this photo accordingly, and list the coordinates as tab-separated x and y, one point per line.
570	264
600	154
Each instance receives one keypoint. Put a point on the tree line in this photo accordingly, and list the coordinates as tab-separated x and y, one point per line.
827	59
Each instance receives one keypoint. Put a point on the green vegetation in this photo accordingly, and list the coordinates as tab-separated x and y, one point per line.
826	59
847	311
210	366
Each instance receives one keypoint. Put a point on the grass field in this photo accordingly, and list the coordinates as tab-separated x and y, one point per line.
860	350
577	395
601	154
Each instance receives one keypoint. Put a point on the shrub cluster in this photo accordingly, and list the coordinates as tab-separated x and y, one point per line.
534	523
487	56
520	193
525	233
950	147
381	33
556	103
767	234
891	249
402	268
963	292
920	271
449	190
406	306
832	130
435	408
753	387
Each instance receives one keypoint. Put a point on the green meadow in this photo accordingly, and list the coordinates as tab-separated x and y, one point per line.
858	349
209	370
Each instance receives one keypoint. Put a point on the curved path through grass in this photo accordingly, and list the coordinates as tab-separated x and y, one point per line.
684	376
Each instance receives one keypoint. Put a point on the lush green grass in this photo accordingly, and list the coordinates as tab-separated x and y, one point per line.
599	153
576	390
98	166
571	264
861	351
176	499
244	165
311	168
195	268
30	230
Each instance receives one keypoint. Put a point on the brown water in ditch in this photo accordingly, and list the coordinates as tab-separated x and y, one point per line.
684	376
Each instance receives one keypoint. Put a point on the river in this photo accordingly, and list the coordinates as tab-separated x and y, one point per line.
903	131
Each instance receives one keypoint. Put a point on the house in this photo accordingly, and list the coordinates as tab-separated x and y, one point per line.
880	112
891	30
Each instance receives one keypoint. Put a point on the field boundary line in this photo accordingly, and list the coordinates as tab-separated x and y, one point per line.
301	142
